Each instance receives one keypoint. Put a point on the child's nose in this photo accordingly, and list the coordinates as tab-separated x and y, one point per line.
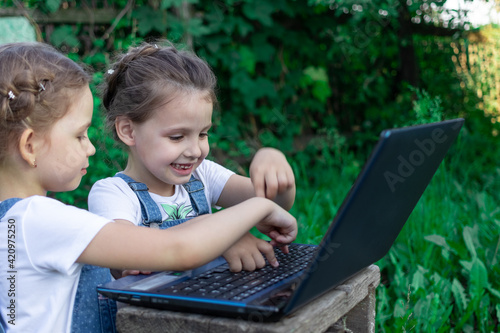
194	150
91	149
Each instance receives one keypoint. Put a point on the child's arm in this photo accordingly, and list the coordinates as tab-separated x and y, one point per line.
271	177
190	244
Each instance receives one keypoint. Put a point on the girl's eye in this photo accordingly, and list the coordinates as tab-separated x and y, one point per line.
175	138
83	136
203	135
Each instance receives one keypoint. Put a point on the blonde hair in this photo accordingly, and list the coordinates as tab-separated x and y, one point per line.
36	83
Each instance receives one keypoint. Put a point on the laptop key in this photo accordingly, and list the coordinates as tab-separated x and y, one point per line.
223	283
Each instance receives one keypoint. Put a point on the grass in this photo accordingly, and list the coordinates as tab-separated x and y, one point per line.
442	272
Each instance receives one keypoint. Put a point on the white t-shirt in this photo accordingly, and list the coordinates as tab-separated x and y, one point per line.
113	198
40	240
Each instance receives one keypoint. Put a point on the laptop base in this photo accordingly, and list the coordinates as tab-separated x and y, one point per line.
354	300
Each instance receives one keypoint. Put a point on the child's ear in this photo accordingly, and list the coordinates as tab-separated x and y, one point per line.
27	146
125	130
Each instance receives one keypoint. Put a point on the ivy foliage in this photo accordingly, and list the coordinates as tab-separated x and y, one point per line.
319	80
289	72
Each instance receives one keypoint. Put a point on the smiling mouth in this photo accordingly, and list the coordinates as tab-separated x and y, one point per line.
182	166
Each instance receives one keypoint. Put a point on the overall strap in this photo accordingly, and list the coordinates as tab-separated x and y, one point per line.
149	208
196	191
6	205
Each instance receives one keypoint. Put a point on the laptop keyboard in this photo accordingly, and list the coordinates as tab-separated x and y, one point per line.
220	282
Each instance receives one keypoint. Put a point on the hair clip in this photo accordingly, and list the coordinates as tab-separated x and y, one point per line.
42	87
111	71
11	95
156	46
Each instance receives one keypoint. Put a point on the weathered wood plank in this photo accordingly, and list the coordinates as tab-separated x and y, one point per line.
352	305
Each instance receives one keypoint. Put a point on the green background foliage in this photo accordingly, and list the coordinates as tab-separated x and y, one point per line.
319	80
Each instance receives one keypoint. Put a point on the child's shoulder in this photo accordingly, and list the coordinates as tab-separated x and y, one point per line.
40	205
42	201
208	166
112	182
111	187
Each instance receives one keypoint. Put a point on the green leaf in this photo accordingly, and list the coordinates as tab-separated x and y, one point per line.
98	58
434	309
460	296
64	35
466	264
263	50
197	28
493	291
478	277
418	280
100	43
321	91
399	308
247	59
438	240
149	19
317	78
314	74
243	27
469	242
260	11
53	5
166	4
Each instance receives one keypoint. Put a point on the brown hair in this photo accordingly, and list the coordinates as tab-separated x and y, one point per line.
36	83
150	76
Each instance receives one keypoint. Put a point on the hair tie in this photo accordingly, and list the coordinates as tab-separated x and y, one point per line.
11	95
111	71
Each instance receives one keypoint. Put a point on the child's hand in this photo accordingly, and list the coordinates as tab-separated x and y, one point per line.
271	174
247	254
280	226
134	272
117	273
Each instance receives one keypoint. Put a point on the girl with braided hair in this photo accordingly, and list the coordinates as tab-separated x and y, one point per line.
159	103
45	111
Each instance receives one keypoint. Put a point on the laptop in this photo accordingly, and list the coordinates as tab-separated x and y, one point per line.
367	223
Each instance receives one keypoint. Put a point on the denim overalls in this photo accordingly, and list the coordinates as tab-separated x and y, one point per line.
4	207
93	312
150	211
86	317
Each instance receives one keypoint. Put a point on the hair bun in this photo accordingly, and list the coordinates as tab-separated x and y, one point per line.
20	106
21	96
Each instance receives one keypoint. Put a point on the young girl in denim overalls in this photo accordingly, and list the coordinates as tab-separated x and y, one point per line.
159	103
45	111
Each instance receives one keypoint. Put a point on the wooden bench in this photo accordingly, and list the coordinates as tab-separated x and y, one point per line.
348	308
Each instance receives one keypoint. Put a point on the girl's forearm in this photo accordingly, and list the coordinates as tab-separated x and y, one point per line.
208	236
188	245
